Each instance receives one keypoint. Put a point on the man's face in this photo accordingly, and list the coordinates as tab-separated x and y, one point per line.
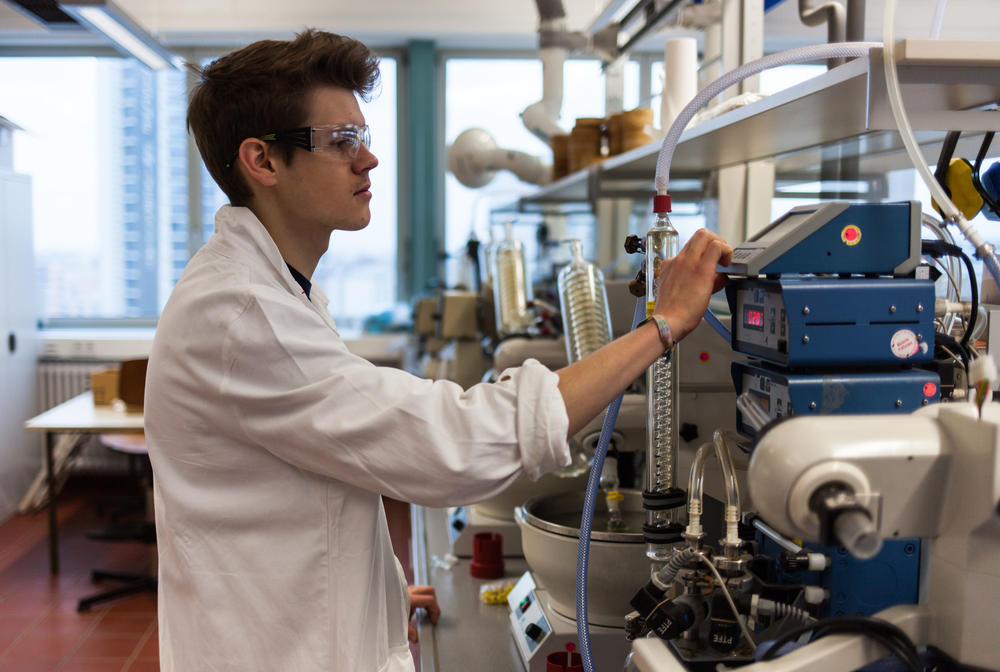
318	189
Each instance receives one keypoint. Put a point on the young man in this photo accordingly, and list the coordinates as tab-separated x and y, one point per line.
272	444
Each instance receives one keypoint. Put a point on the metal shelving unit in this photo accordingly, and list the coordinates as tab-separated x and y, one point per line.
945	85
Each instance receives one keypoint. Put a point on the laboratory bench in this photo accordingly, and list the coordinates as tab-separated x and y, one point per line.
470	635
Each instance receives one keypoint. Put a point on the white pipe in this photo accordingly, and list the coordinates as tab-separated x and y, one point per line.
542	118
526	167
952	214
803	54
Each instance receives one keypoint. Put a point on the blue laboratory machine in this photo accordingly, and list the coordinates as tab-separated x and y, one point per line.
828	312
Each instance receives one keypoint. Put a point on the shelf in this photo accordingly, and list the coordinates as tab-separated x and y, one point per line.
843	112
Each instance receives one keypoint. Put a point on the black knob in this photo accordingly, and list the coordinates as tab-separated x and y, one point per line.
724	630
688	432
793	562
672	619
534	631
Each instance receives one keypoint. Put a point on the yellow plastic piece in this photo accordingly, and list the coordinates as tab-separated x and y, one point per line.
614	495
496	593
958	179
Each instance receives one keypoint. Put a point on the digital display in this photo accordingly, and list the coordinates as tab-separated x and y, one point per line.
753	317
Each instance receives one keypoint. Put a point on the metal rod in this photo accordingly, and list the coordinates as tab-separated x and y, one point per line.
50	477
650	25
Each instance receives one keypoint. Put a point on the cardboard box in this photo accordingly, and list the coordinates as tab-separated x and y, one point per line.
104	386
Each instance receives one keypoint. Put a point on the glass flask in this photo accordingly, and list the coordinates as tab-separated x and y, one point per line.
510	285
583	300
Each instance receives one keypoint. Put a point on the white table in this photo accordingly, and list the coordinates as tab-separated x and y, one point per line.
77	416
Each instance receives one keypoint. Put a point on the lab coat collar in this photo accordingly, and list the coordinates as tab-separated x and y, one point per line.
238	224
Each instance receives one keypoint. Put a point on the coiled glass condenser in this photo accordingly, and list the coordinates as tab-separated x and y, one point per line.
583	300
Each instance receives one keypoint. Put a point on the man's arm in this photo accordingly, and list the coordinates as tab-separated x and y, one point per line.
685	285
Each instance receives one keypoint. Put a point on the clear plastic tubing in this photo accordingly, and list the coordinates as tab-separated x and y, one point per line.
696	482
952	214
510	289
818	52
583	300
662	242
587	519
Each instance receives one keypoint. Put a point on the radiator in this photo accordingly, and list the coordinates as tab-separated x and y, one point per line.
59	380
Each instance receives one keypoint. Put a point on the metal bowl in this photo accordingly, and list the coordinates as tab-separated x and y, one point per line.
550	529
502	505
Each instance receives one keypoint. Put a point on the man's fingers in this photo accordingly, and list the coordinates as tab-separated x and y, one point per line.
421	590
424	597
721	280
411	633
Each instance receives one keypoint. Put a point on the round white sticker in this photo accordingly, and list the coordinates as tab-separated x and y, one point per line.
904	344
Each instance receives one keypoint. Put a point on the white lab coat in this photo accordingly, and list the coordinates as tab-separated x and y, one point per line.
271	445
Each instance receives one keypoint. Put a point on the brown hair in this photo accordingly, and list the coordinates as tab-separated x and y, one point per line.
263	88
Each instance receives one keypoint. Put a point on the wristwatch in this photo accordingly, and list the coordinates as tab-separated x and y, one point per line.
661	325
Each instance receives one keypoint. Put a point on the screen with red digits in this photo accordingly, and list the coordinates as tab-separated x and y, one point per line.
753	317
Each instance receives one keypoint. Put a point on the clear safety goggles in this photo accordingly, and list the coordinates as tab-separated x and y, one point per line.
340	141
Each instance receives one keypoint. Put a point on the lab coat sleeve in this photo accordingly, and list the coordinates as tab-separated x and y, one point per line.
297	392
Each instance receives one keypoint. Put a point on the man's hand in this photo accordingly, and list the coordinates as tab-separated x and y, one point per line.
422	597
686	282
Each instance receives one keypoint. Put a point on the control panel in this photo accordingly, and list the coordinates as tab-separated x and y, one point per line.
528	621
779	392
834	238
830	321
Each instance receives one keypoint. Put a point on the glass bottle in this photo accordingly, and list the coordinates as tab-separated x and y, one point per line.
583	300
510	285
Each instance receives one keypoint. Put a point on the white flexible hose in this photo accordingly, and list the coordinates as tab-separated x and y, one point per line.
938	18
817	52
984	250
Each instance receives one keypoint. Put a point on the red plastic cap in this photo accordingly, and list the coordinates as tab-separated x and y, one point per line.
661	203
487	556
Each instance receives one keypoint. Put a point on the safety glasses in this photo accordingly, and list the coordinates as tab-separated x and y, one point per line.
340	141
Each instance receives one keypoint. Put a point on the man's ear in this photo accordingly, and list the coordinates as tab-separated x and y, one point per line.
255	156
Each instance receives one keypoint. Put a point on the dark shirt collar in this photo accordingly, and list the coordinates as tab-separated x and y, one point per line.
301	279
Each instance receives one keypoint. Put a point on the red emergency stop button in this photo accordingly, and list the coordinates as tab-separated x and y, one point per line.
930	389
851	235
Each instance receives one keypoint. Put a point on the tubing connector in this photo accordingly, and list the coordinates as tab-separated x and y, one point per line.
661	203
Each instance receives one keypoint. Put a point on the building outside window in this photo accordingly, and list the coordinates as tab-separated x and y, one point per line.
110	192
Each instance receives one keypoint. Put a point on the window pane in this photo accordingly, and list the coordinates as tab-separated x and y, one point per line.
358	272
108	169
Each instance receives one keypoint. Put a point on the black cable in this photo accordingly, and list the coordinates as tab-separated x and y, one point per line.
974	289
939	248
886	634
944	159
977	181
948	340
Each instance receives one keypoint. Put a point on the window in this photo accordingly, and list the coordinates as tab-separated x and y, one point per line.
110	191
108	168
491	93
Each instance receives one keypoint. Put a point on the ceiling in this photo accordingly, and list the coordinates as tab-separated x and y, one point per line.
451	23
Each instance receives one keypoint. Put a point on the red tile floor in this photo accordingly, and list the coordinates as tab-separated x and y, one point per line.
40	629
